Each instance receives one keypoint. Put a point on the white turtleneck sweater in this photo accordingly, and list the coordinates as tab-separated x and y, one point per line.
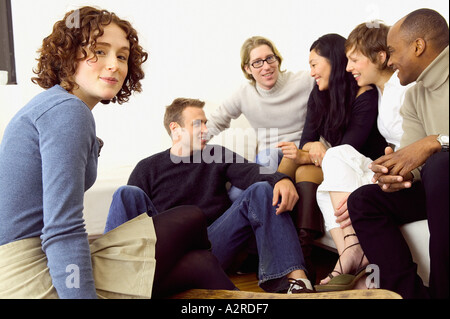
283	108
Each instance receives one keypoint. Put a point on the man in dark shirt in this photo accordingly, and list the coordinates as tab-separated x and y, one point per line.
193	173
412	183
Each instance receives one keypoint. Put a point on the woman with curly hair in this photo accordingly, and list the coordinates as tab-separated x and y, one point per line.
48	159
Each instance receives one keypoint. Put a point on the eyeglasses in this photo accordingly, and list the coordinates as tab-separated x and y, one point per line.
259	63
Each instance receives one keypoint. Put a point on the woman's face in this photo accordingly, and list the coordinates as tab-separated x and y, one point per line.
364	71
320	70
103	78
267	75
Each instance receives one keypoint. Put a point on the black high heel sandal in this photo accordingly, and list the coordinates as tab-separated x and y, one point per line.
343	281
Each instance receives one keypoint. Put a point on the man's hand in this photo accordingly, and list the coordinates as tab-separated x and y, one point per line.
408	158
388	183
289	197
393	170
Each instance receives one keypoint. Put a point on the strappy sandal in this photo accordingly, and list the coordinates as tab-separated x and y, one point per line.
343	281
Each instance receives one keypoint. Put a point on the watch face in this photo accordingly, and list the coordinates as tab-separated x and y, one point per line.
444	139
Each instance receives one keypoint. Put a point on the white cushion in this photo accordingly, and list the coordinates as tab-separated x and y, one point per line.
417	235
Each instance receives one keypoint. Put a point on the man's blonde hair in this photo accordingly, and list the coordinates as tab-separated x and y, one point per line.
248	46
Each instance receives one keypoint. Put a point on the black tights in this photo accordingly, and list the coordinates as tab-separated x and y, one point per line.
183	258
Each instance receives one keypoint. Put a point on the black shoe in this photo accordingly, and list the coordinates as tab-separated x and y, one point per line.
297	286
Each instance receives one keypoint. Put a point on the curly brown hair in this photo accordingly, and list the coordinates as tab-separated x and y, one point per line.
61	50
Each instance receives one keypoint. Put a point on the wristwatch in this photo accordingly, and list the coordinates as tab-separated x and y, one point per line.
443	140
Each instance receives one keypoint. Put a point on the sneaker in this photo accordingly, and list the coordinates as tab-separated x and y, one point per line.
297	286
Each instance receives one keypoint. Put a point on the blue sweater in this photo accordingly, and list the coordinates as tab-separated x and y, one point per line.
48	158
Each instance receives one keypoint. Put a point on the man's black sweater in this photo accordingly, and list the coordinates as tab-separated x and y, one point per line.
199	179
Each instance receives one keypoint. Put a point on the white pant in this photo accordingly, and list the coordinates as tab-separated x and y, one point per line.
344	170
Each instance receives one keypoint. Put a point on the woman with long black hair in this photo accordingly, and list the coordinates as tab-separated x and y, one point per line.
339	112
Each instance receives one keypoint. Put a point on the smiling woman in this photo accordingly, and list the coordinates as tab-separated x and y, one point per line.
56	66
102	74
49	152
49	155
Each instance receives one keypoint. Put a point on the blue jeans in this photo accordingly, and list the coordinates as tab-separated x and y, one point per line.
128	202
270	159
278	246
279	249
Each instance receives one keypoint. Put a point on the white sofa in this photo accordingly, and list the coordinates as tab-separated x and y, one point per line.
242	139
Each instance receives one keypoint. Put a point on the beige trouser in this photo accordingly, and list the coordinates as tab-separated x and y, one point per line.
123	262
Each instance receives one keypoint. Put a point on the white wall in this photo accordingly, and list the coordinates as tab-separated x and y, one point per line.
194	52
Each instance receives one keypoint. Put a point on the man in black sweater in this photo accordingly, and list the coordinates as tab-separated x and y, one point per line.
194	173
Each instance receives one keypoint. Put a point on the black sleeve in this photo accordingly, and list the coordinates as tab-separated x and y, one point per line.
139	177
243	174
310	134
363	118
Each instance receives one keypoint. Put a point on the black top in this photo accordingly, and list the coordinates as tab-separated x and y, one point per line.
199	179
362	132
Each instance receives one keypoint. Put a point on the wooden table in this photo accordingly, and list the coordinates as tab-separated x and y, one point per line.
231	294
